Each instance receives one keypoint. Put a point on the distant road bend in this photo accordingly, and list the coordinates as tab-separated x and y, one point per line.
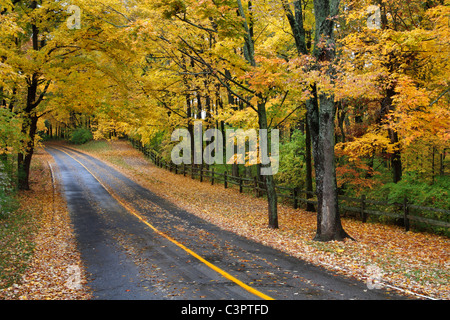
137	245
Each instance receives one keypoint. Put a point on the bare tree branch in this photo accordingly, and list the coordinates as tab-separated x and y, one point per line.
42	95
440	96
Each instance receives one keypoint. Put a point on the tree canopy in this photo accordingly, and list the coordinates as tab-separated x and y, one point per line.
368	82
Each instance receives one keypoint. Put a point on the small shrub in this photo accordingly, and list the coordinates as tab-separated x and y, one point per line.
7	201
292	161
419	192
81	136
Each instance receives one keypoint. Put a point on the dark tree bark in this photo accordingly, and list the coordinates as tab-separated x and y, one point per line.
308	157
329	225
24	159
29	130
321	120
396	157
29	114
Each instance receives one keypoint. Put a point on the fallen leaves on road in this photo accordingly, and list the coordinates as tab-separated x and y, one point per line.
412	263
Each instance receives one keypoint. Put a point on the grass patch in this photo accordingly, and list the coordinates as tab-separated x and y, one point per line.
16	245
96	146
18	229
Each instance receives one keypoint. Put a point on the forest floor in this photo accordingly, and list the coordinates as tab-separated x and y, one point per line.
411	263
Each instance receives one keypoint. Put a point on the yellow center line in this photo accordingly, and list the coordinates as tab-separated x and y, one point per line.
200	258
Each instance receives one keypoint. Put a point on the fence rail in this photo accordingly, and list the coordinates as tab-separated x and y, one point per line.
403	211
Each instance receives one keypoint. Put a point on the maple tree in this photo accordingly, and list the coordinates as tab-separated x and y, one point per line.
53	72
321	120
367	98
405	61
205	66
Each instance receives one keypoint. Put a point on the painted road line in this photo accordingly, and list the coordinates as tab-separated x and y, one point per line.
186	249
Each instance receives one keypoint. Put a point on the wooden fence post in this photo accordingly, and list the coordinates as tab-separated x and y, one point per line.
295	194
201	173
256	186
184	169
363	208
212	176
240	184
405	213
225	182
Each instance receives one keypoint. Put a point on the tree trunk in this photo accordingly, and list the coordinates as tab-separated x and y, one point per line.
308	157
29	127
396	159
30	118
321	120
270	183
24	159
329	225
396	156
249	53
387	106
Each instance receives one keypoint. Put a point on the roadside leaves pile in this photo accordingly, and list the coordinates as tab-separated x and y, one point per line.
52	268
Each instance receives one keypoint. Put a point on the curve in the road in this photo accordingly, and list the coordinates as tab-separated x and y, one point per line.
228	266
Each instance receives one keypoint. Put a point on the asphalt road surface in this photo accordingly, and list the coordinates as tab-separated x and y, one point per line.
137	245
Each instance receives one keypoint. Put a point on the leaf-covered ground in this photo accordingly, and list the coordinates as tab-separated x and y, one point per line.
39	258
407	262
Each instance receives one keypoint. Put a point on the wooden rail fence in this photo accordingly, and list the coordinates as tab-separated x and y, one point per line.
403	211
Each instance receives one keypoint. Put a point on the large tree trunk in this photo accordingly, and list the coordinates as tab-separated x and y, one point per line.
29	127
329	225
321	120
24	159
387	106
396	160
30	118
396	156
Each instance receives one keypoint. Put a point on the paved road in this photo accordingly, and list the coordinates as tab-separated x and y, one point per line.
137	245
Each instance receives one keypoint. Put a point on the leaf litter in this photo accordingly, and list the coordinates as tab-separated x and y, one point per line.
55	270
412	263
